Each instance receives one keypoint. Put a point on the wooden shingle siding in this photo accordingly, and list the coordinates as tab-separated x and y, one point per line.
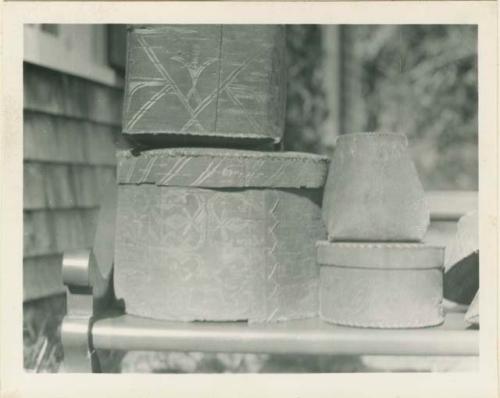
42	276
71	127
52	138
89	183
56	93
64	186
55	231
42	132
34	188
59	187
38	235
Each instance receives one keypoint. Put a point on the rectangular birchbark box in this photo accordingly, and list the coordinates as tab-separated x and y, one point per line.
211	234
381	285
209	85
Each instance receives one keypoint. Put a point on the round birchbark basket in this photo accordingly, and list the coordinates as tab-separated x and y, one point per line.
381	285
211	234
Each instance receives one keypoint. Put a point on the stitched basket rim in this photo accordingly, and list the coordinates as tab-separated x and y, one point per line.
222	168
224	152
381	256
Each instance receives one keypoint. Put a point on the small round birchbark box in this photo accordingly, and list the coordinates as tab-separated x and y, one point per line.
221	85
212	234
396	285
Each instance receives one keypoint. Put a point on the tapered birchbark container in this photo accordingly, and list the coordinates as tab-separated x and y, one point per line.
373	192
211	85
381	285
206	234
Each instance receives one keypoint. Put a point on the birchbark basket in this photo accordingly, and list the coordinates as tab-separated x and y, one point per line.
381	285
220	85
210	234
461	262
373	192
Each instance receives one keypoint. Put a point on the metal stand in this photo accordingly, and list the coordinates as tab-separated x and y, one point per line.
90	296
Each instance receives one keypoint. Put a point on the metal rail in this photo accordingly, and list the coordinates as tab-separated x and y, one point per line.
311	336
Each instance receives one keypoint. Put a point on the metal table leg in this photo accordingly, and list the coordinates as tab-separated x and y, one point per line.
89	297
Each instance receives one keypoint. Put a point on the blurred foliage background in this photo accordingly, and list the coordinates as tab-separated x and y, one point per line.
420	80
306	106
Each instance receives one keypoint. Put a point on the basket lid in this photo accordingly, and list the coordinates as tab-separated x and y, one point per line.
222	168
380	255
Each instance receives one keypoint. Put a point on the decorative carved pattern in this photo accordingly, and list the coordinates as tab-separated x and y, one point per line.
216	168
208	81
192	253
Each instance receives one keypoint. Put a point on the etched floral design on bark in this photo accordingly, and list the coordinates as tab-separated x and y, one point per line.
183	220
220	254
236	219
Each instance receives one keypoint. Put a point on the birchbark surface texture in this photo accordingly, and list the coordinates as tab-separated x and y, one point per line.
381	285
188	83
210	248
373	192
